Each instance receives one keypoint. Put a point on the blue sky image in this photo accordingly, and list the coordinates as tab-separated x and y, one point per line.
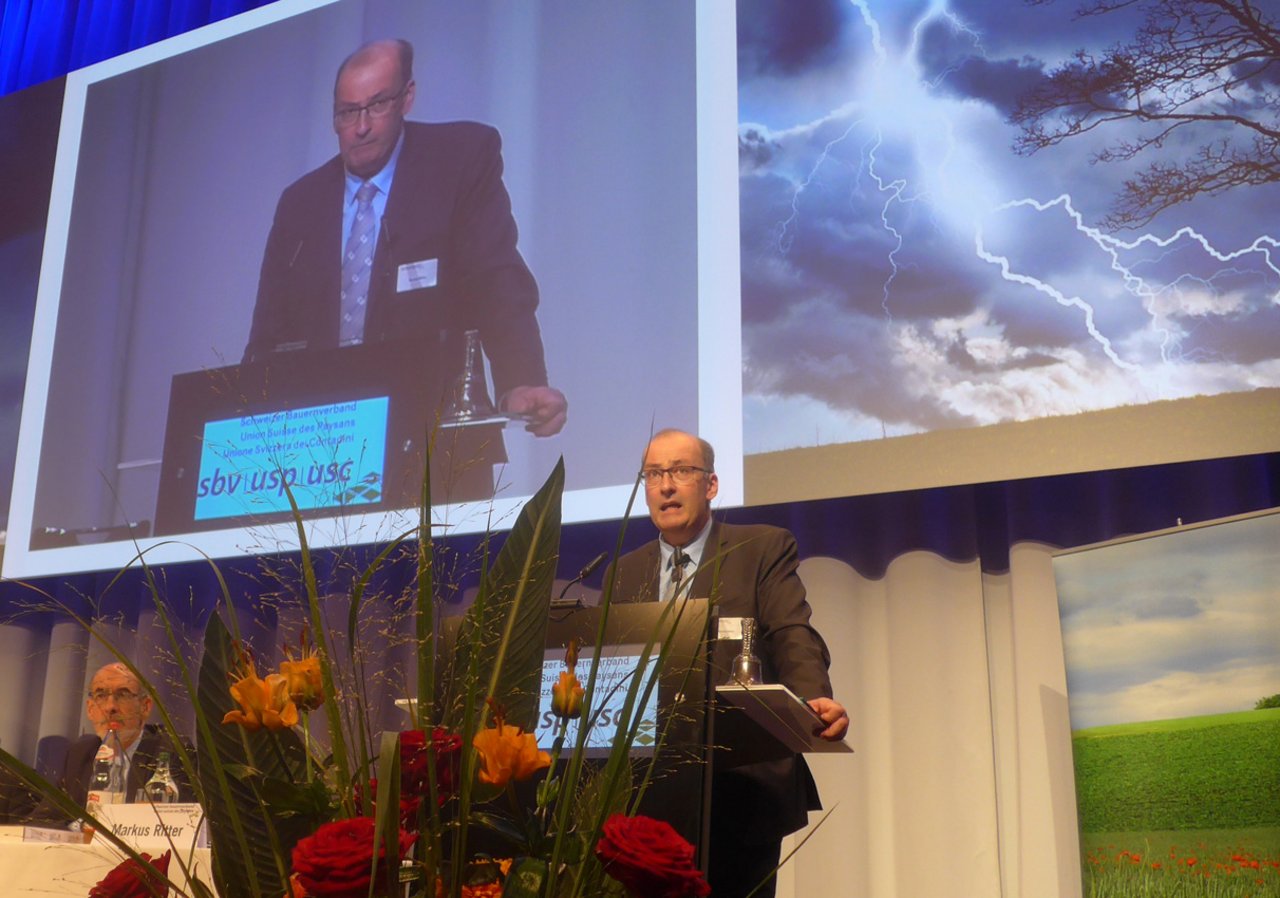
1178	625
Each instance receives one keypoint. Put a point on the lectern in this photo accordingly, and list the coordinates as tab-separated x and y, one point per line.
684	733
654	643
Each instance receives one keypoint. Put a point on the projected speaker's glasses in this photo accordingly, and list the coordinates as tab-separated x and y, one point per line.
379	108
682	474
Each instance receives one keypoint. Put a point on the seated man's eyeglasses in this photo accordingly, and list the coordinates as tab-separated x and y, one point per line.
121	696
679	474
379	108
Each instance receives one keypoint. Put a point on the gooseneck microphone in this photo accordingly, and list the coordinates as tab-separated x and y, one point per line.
583	574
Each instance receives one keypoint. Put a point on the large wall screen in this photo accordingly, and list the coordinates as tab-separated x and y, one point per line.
984	240
170	164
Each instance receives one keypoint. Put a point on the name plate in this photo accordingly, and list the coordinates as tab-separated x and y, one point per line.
62	836
145	827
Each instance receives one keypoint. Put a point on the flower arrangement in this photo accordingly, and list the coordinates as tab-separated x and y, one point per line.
357	814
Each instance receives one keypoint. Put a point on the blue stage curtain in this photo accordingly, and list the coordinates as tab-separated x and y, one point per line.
43	39
960	523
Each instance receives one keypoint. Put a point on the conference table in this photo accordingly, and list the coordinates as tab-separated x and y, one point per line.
52	870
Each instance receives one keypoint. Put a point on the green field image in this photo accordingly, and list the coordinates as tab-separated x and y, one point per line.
1184	807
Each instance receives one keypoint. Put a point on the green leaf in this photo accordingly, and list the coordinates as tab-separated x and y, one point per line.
525	878
501	641
287	798
603	793
200	890
250	847
574	849
386	831
501	826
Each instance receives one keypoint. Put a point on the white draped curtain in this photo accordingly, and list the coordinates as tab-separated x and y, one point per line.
961	782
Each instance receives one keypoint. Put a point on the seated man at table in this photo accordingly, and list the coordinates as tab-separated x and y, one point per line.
116	701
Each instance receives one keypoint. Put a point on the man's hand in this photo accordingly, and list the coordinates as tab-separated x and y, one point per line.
833	715
545	407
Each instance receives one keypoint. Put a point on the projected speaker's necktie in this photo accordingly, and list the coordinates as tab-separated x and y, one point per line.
357	267
678	560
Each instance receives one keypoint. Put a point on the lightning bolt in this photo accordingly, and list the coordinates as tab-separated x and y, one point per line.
1112	247
894	189
1049	290
938	11
900	106
873	26
785	239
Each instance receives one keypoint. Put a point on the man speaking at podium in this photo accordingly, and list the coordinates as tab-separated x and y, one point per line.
750	571
406	234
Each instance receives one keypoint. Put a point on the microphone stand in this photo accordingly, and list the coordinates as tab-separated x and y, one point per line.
559	602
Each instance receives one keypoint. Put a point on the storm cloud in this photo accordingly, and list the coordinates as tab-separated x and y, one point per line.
903	270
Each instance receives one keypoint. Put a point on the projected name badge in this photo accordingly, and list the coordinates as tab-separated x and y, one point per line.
416	275
613	679
327	456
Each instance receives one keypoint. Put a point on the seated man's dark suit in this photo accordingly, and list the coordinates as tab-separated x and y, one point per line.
78	770
751	571
16	800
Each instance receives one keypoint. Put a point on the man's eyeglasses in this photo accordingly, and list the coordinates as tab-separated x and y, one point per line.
121	696
681	474
380	108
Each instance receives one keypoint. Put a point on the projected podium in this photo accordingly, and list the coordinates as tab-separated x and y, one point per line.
347	429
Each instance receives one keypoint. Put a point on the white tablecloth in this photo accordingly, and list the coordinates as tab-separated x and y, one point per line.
39	870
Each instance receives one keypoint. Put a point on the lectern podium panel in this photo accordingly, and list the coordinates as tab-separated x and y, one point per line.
346	429
672	732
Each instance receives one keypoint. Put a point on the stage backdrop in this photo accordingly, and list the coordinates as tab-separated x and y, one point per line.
1173	680
941	613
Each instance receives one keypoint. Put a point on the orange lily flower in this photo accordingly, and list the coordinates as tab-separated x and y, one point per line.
263	702
508	753
306	687
566	696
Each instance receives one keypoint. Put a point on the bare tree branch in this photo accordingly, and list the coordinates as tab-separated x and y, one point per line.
1207	71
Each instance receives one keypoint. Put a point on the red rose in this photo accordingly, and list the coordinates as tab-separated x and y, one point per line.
409	805
133	880
414	761
650	858
409	812
334	861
